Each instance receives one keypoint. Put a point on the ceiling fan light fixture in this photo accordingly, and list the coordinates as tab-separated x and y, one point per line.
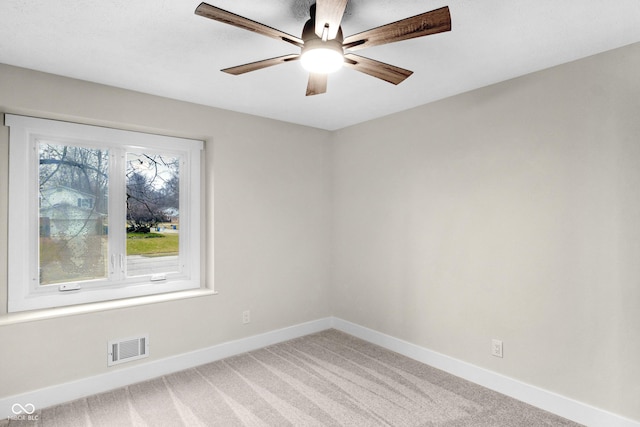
322	57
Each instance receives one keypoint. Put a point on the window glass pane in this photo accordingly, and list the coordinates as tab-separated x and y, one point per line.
73	210
153	213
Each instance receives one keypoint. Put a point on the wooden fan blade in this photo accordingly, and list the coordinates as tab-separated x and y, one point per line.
436	21
217	14
329	12
386	72
258	65
317	84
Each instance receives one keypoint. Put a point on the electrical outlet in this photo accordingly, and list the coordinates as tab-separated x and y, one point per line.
246	317
496	348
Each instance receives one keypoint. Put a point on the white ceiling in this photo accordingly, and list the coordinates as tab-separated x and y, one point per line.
161	47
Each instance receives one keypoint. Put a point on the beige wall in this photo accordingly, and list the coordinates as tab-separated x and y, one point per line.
271	232
511	212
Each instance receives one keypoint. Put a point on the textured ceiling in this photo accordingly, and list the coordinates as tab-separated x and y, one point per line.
161	47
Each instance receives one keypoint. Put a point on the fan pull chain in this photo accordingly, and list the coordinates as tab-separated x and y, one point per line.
325	33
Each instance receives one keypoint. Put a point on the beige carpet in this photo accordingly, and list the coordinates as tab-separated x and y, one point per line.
325	379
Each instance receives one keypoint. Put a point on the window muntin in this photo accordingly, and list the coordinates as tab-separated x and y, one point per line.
95	240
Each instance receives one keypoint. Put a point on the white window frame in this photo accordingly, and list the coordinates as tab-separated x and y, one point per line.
24	290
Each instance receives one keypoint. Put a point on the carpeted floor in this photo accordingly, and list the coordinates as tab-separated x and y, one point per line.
325	379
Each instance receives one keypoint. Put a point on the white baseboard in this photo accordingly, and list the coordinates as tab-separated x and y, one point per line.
66	392
535	396
549	401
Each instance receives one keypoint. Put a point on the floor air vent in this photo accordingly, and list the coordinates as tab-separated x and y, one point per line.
129	349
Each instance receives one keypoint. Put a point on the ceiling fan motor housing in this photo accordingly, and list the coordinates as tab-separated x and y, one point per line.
317	50
309	29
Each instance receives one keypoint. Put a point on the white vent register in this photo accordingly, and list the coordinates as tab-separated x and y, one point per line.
126	350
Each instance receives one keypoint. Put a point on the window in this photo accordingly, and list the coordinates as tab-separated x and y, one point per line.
98	214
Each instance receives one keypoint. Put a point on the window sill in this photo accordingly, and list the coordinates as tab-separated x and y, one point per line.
50	313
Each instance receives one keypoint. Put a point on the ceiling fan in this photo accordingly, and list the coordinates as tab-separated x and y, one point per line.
324	49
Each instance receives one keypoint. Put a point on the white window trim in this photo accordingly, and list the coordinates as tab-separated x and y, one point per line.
24	292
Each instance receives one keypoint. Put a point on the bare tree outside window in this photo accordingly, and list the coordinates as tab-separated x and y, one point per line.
152	191
153	213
